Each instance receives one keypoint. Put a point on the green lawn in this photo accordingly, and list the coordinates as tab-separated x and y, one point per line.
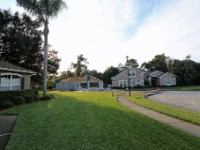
91	120
183	114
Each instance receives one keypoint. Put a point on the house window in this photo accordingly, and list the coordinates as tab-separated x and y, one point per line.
10	82
16	82
83	85
167	81
5	82
94	84
132	73
138	83
122	83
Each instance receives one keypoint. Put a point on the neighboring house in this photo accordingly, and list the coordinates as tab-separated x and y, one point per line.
139	77
80	83
13	77
158	78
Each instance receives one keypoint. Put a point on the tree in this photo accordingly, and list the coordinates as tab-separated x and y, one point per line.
20	40
197	68
80	66
189	73
96	74
66	74
146	65
131	62
159	62
43	10
120	67
53	62
109	73
186	71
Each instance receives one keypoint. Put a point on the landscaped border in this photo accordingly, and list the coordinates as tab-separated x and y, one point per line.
183	114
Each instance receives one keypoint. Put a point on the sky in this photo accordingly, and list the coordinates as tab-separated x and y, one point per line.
106	31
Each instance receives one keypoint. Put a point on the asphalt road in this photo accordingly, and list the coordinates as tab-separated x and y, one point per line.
182	99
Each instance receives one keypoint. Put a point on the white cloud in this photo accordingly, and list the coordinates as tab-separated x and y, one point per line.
174	31
96	29
91	28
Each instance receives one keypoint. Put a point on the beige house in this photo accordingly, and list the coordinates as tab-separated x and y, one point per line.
13	77
138	77
80	83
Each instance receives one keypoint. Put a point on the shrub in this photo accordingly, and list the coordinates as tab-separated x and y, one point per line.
47	97
17	100
40	98
6	104
5	94
28	98
35	97
52	96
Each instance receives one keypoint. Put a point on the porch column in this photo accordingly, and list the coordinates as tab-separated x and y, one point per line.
10	82
88	84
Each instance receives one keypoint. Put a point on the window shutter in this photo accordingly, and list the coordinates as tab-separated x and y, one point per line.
22	83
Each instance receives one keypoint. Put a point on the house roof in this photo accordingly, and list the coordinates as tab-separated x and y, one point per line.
156	73
169	74
147	73
124	73
6	66
120	74
81	79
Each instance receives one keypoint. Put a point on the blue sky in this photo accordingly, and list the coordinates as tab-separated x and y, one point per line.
106	31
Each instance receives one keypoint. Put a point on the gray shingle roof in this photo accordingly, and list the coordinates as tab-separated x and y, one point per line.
81	79
6	66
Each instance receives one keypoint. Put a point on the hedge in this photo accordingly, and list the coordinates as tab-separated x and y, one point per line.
7	94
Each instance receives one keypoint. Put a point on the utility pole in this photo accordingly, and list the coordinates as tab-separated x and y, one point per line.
87	79
129	92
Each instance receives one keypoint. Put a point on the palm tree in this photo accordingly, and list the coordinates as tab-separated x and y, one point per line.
43	10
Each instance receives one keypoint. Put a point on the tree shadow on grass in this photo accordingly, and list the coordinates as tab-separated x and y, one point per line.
92	123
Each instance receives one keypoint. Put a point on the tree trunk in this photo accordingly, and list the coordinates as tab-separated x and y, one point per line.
46	32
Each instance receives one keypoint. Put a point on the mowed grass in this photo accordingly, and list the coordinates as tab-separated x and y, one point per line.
183	114
91	120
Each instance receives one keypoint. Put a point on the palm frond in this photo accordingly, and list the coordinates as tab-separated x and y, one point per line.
43	9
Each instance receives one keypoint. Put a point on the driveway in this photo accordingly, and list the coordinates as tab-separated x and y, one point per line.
182	99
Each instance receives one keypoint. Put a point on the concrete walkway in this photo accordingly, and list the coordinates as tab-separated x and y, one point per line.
7	122
176	123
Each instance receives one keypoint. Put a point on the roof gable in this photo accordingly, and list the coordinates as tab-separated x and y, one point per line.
168	74
119	75
156	73
125	73
6	66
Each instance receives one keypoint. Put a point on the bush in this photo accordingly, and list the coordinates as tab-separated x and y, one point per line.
52	96
47	97
5	94
35	97
17	100
28	98
6	104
